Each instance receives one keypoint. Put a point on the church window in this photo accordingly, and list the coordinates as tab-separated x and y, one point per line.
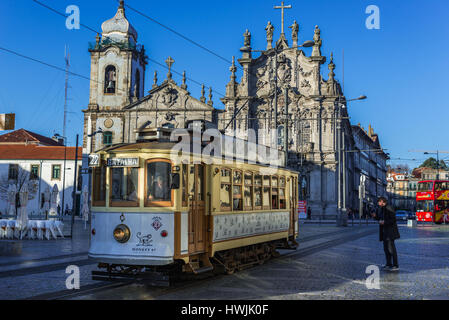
110	80
107	137
280	135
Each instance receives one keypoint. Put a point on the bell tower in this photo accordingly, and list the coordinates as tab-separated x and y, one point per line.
117	65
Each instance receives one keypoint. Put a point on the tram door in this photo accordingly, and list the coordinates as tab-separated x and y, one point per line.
197	219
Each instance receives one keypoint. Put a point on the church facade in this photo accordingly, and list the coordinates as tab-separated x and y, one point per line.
281	96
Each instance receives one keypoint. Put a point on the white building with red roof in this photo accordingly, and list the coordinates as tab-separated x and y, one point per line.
27	157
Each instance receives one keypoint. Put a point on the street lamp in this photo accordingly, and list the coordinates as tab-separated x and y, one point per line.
341	156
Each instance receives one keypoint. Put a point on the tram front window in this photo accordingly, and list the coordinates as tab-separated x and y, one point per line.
158	177
124	186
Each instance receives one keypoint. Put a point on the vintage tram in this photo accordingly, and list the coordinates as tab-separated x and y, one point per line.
153	212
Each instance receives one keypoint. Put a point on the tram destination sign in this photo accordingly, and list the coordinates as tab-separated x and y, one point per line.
122	162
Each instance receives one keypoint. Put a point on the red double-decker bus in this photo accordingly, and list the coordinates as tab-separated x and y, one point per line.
432	201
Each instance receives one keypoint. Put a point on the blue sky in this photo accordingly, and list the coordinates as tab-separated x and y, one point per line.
402	68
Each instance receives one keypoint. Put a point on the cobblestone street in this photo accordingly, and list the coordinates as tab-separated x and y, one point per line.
330	264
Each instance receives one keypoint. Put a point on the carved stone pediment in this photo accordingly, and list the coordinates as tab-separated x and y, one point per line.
168	96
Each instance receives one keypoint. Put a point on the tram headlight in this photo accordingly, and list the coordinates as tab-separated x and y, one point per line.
122	233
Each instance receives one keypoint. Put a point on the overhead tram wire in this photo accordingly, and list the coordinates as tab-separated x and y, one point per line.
115	42
50	65
186	38
178	34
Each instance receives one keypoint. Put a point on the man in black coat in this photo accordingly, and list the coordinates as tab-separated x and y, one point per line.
388	232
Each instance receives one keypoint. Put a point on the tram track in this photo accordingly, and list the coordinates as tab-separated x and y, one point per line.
104	286
37	260
43	269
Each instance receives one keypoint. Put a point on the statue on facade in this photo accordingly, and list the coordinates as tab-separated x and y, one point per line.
270	29
316	52
247	38
295	30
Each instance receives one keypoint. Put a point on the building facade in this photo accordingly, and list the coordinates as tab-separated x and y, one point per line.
29	158
281	98
371	162
402	190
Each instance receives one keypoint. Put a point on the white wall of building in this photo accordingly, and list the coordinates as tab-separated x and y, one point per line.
45	180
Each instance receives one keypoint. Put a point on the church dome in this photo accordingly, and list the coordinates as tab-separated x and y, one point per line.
118	28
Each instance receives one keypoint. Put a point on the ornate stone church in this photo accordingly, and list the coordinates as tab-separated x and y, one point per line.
282	95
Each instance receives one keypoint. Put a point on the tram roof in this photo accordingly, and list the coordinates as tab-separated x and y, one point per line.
166	146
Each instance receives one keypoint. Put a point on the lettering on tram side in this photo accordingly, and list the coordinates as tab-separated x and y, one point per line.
122	162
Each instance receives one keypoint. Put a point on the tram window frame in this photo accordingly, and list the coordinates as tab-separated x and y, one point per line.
250	186
160	203
226	183
260	188
123	203
275	192
185	184
282	195
97	199
237	196
266	188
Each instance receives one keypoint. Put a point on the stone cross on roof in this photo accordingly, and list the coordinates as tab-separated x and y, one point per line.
169	63
282	7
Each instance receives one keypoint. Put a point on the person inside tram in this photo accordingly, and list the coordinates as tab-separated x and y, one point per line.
158	191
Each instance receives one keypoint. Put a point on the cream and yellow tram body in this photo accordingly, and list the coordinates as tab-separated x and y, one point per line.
148	212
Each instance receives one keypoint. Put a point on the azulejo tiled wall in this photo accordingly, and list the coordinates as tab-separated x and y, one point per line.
240	225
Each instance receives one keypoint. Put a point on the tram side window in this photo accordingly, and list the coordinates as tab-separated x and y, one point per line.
266	193
282	200
185	190
124	182
158	178
99	186
274	193
257	192
248	191
225	190
237	191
